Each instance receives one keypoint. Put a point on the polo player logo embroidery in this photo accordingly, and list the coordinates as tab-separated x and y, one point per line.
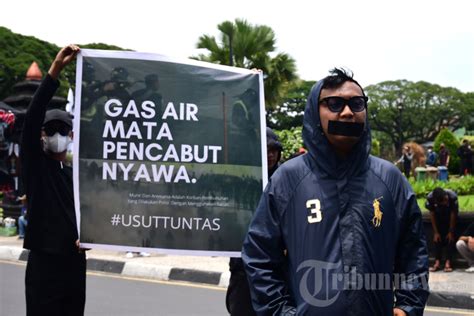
377	219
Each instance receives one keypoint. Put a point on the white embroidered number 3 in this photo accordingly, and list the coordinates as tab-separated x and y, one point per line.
314	206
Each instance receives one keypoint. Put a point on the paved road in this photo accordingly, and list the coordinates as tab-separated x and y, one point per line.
436	311
116	295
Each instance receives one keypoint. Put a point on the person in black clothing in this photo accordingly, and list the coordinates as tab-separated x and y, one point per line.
274	149
238	299
443	156
465	154
406	159
443	207
55	278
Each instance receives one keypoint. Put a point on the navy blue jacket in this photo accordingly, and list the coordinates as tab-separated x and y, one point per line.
322	211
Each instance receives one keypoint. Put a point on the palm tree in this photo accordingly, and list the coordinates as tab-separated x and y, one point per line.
242	44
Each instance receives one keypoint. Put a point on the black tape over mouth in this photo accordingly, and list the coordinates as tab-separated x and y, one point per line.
345	128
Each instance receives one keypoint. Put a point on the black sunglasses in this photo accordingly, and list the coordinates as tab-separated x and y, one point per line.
337	104
61	128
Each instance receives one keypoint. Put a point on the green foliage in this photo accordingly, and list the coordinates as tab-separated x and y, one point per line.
375	149
242	44
469	101
16	56
452	144
19	51
416	111
289	113
466	203
387	151
291	140
462	186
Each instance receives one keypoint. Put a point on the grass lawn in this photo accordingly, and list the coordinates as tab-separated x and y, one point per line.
466	203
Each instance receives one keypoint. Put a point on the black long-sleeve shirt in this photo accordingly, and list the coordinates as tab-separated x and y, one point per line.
443	212
48	184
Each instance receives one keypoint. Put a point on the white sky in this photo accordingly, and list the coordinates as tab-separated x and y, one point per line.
378	40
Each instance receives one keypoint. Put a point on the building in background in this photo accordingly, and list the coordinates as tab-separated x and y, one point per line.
12	114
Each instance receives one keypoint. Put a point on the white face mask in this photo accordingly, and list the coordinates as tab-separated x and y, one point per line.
56	143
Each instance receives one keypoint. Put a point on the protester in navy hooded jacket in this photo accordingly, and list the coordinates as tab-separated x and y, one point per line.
336	226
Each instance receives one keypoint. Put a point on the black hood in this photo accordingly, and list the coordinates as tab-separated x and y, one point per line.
274	142
321	151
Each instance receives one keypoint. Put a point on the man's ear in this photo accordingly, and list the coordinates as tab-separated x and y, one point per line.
71	134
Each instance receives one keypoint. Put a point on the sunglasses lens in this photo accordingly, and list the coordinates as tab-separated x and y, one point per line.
357	104
335	104
52	129
48	131
64	131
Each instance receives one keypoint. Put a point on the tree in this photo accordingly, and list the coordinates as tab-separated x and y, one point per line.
406	110
242	44
17	54
290	111
19	51
291	141
375	148
469	101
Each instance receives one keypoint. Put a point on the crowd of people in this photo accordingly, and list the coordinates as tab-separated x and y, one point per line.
438	159
334	208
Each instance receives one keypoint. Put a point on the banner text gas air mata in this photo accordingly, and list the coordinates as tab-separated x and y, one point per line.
133	133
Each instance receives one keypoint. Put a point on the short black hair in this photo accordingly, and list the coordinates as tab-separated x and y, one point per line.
439	194
337	78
